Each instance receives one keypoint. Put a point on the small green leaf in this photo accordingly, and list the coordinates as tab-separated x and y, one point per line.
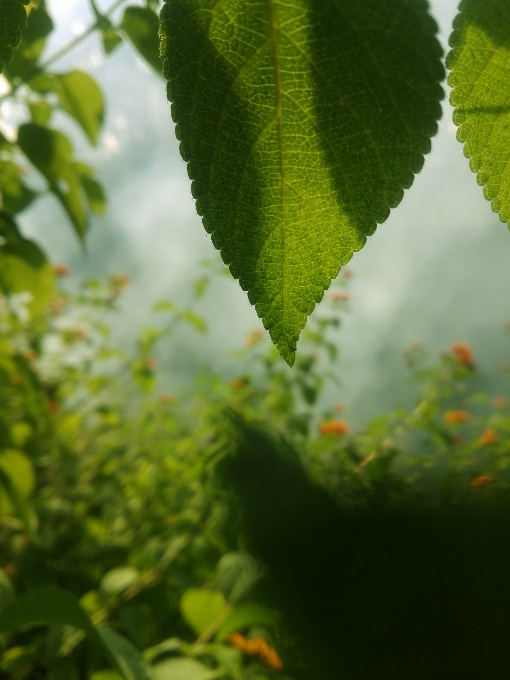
50	151
141	25
13	18
24	267
118	579
194	320
236	575
244	616
480	81
201	607
6	590
111	39
15	195
81	97
93	189
124	656
40	111
302	122
183	669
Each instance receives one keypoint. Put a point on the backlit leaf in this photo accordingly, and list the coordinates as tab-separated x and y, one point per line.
81	97
50	151
183	669
141	25
301	122
24	267
480	81
12	20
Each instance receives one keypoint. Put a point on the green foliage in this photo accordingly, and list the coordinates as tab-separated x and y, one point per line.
12	21
480	82
141	25
301	124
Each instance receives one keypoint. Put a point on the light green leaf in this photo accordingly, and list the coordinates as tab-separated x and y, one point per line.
81	97
244	616
183	669
15	196
24	267
236	574
52	154
124	656
106	675
201	607
194	320
40	111
301	122
480	81
13	18
118	579
141	25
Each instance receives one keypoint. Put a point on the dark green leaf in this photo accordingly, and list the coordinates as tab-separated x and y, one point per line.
236	575
480	81
33	40
45	606
111	39
13	18
302	124
52	154
141	25
124	656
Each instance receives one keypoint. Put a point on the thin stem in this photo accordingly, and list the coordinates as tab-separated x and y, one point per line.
61	52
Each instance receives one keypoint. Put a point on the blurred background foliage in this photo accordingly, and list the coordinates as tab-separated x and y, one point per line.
122	553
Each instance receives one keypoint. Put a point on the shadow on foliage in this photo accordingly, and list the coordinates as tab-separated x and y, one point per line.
379	590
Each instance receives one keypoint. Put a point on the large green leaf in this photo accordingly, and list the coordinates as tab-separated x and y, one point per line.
480	78
12	20
33	39
141	25
52	154
302	122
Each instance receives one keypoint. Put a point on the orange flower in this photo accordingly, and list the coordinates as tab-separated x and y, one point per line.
488	437
481	480
258	647
337	427
338	296
254	337
149	364
347	273
57	305
237	384
61	270
456	416
166	398
462	352
118	282
30	354
500	402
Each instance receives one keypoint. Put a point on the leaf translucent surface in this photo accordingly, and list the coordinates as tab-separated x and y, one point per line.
12	20
302	121
480	81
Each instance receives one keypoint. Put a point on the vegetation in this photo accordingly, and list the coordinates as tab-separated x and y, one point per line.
124	552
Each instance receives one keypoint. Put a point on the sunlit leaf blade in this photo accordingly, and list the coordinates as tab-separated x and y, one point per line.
141	25
302	122
50	151
12	20
480	81
81	97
